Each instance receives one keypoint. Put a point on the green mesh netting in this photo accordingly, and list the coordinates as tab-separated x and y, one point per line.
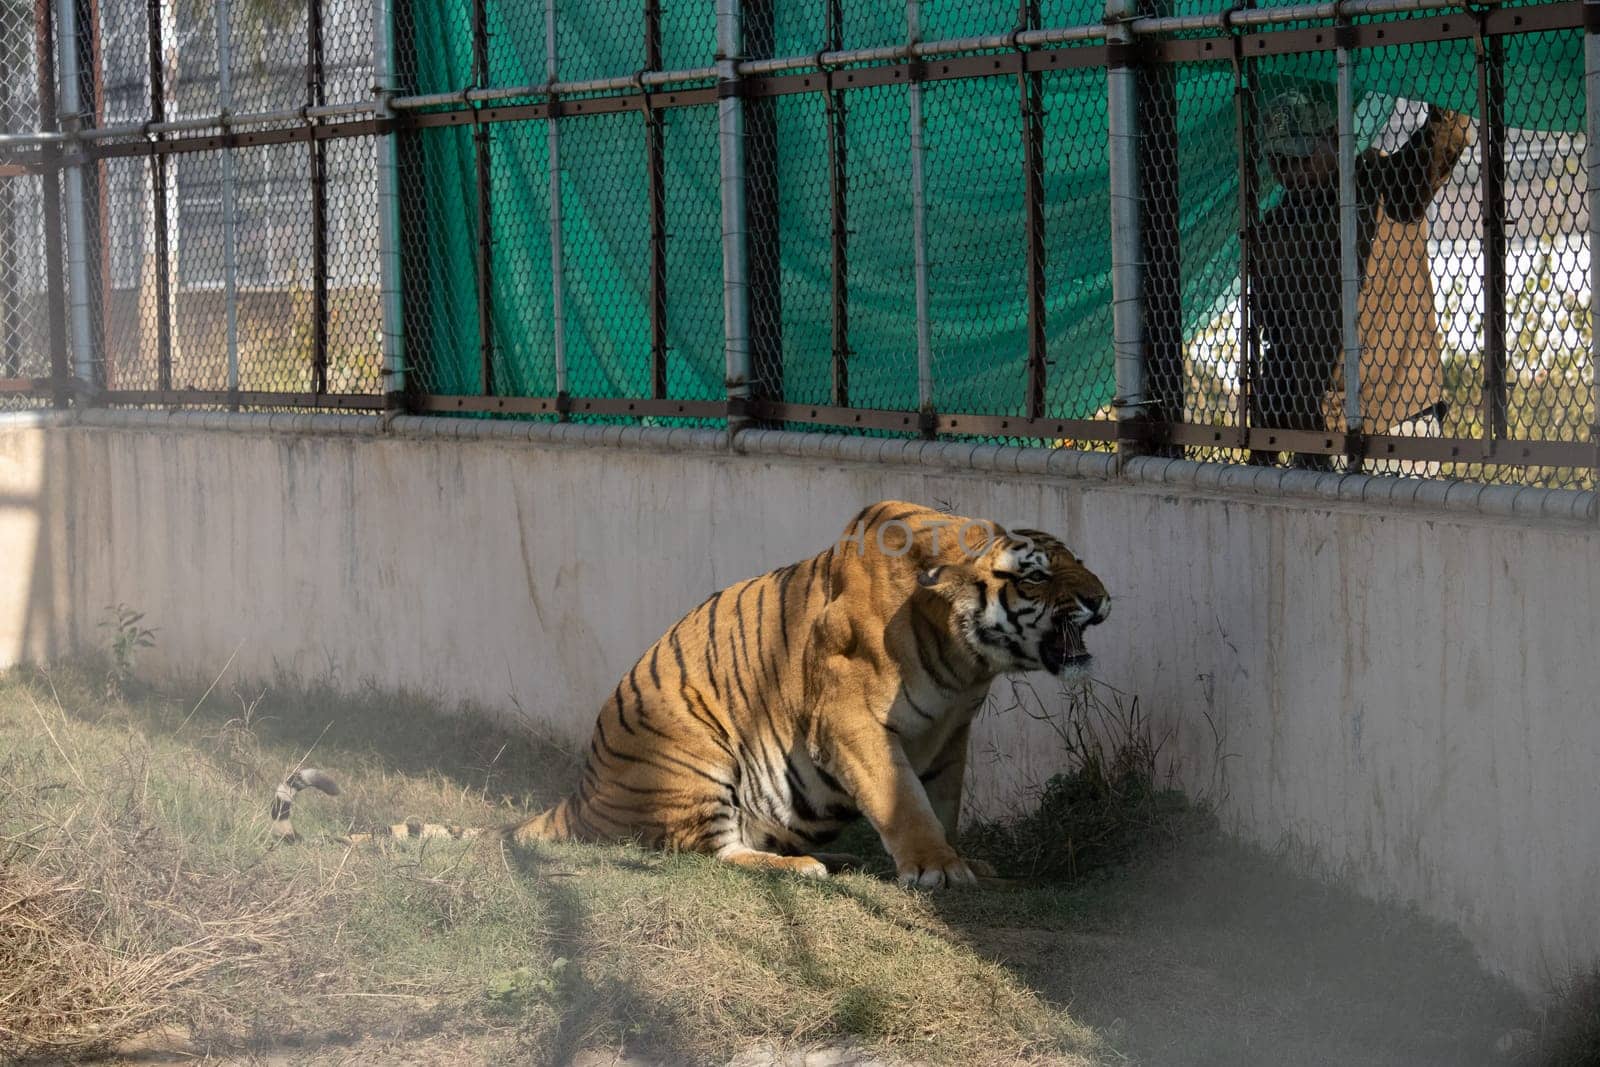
976	239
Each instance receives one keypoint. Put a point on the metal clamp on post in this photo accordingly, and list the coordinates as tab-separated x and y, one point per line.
916	66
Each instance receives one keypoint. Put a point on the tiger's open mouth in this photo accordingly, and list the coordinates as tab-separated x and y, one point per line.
1063	649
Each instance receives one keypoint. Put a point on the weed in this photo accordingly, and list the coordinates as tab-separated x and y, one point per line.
1106	809
127	638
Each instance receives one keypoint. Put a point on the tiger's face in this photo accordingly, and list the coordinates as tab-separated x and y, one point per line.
1024	603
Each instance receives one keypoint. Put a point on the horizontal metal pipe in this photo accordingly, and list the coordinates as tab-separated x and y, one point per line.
1237	18
1317	489
23	140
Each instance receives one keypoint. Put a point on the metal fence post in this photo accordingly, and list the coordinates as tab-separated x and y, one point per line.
919	228
50	185
1244	120
483	171
81	338
230	206
655	178
158	199
316	97
391	308
735	228
758	37
1030	85
838	218
1160	248
558	281
1127	267
1349	263
1492	193
1591	85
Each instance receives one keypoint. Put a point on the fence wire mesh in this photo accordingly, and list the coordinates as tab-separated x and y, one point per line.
924	245
24	312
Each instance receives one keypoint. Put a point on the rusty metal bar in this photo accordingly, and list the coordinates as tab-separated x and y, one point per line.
1349	264
237	398
558	239
319	204
485	246
1492	179
230	193
158	188
734	219
838	220
71	119
919	226
390	273
214	142
762	212
96	191
910	422
549	405
1127	244
1160	249
655	152
1031	90
1244	118
1591	80
55	289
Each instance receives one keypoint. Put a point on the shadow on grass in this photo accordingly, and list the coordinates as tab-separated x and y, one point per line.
502	762
596	1006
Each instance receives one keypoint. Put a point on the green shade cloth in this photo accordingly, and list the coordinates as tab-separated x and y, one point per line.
975	209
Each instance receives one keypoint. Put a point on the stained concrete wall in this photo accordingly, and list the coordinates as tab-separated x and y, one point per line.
1411	691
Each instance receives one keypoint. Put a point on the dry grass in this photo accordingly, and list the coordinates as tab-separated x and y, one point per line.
1567	1031
138	863
1108	808
141	890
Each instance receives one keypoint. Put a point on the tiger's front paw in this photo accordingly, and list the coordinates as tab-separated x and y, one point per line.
935	870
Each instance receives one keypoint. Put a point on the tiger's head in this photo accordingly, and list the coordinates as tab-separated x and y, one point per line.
1022	602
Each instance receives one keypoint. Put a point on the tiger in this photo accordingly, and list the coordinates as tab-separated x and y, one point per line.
785	706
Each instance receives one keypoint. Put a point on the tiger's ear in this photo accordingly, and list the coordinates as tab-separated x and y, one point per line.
928	577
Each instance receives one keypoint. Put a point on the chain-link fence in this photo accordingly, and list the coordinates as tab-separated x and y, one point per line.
1354	236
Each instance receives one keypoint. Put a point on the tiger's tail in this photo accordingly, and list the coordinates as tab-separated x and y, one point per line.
283	798
560	823
553	825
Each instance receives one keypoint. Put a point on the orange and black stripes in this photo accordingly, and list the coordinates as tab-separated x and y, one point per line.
726	735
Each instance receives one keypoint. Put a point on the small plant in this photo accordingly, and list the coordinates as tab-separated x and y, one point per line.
127	638
1108	807
1568	1030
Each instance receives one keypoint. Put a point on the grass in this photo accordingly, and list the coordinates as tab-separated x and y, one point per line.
140	891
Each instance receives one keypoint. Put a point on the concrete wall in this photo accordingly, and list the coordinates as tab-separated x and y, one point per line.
1409	690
